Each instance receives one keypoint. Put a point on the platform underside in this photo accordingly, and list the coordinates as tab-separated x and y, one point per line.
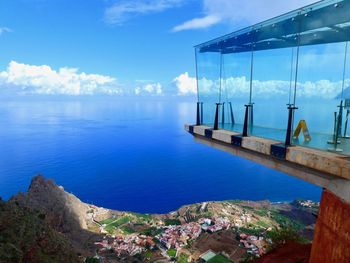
322	168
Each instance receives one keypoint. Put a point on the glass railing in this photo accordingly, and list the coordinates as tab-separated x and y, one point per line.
208	78
273	77
235	90
323	77
294	67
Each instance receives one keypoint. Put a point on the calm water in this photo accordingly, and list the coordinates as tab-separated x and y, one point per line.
127	154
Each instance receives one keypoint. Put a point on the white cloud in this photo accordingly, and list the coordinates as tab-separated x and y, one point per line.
240	12
5	30
123	10
138	91
236	12
185	84
149	89
198	23
29	79
239	87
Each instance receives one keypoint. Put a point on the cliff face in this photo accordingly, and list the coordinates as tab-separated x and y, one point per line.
25	236
46	224
64	211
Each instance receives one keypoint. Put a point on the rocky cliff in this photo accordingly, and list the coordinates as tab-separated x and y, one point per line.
46	224
64	211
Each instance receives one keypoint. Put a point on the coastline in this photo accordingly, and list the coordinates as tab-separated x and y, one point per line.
248	227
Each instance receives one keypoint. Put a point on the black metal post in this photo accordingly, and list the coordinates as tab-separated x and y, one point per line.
216	121
334	129
231	112
251	115
202	113
223	114
246	119
346	124
340	124
337	133
291	110
198	122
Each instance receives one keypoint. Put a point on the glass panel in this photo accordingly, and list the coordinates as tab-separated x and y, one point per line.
235	89
319	94
323	20
208	77
346	96
299	59
273	78
273	88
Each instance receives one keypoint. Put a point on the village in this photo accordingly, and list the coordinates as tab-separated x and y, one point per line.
172	238
307	203
193	233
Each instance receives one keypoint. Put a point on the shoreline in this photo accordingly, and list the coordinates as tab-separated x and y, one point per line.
207	201
233	229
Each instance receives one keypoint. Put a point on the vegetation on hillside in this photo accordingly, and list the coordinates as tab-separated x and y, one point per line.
26	237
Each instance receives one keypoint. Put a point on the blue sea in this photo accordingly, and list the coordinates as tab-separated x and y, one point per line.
127	154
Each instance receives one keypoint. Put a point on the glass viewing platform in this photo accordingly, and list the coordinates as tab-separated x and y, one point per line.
285	79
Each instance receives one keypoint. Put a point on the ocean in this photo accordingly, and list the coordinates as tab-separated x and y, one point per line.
127	153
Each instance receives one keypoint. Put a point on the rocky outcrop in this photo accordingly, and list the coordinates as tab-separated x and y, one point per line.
25	236
64	211
57	211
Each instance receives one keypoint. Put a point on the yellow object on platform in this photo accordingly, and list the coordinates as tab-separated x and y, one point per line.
302	126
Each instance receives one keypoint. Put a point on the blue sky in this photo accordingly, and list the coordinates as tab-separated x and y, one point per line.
140	44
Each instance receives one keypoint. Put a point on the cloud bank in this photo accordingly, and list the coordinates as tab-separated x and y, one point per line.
21	78
185	85
26	79
239	87
29	79
149	89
